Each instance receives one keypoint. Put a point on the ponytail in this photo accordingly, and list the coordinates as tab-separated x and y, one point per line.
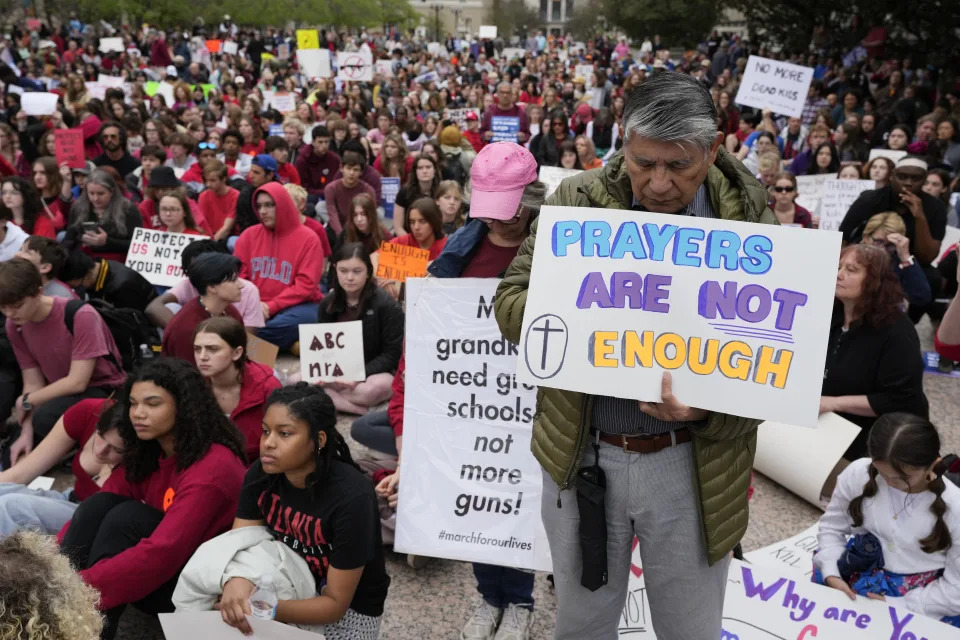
939	539
869	490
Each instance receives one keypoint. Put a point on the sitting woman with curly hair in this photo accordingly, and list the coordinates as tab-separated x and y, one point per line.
41	598
874	365
183	466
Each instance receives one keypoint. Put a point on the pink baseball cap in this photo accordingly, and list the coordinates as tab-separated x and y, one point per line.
498	176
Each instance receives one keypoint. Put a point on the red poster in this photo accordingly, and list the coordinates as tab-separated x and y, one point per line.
69	144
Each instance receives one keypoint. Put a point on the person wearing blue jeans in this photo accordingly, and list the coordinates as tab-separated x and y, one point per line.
283	329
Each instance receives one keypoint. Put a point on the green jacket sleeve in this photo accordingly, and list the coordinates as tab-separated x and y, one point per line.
722	426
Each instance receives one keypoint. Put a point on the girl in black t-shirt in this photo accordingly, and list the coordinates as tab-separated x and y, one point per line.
307	490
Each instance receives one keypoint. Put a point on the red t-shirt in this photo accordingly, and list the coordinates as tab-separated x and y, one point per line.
489	260
251	149
317	228
408	240
178	334
198	503
80	423
42	226
217	209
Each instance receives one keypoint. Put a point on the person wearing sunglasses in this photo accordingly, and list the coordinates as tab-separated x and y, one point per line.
924	217
784	195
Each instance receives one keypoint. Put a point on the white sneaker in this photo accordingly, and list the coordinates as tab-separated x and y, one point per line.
515	624
483	623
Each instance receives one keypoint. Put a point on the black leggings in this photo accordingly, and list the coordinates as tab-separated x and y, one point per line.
104	525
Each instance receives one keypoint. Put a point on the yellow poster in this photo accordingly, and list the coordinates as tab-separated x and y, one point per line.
307	39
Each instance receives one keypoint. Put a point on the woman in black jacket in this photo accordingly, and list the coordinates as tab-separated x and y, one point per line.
545	147
874	365
102	220
356	296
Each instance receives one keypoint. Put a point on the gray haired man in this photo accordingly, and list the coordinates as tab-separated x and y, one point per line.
676	476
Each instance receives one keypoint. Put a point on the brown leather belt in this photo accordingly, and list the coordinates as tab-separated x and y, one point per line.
645	444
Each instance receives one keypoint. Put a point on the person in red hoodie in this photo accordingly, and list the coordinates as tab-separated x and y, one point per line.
240	385
183	467
283	259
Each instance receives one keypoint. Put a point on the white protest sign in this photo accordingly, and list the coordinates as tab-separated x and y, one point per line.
111	44
156	255
36	103
332	351
460	116
111	82
763	603
736	311
96	90
810	190
424	78
435	48
165	89
384	68
836	199
802	459
209	625
471	488
793	554
355	66
488	31
553	176
887	153
230	48
284	102
314	63
950	238
509	53
775	85
586	72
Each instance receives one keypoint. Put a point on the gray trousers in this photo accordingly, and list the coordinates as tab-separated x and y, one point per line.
653	497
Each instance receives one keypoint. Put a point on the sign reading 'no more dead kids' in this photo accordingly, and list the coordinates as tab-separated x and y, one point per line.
737	312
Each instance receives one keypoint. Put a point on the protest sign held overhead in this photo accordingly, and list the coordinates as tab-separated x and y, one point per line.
69	147
314	63
308	39
332	352
775	85
156	255
736	311
471	488
356	66
488	31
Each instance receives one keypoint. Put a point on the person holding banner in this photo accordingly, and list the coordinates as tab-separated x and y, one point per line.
356	296
677	476
897	502
240	385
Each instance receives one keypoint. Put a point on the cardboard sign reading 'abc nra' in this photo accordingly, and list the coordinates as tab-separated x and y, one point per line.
332	351
737	312
156	255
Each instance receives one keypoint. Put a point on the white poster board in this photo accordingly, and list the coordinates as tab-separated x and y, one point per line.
156	255
230	48
470	487
488	31
586	72
775	85
111	82
111	44
355	66
36	103
795	554
332	352
553	176
810	190
765	603
284	102
801	459
384	68
737	312
314	63
209	625
460	116
836	199
166	90
509	53
950	238
887	153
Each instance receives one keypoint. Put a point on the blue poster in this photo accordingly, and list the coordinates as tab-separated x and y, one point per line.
276	130
504	128
389	188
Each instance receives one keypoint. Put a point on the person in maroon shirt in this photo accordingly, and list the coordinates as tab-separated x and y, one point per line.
317	167
214	276
89	428
506	106
183	467
340	193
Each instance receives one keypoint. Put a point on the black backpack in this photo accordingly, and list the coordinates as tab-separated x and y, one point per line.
129	328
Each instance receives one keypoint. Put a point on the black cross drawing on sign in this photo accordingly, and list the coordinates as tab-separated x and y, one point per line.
546	330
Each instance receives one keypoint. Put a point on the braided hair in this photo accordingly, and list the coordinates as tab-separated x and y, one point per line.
199	420
311	405
904	440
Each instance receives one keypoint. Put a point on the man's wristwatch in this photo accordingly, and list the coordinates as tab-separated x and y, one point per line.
26	404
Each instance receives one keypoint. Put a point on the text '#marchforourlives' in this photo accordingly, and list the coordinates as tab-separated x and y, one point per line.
722	250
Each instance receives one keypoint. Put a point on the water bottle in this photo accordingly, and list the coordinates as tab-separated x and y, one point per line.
263	600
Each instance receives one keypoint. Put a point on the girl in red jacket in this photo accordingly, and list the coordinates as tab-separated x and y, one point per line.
183	466
240	385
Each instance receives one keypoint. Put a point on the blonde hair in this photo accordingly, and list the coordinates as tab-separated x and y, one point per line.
888	221
296	123
449	186
768	161
41	596
298	193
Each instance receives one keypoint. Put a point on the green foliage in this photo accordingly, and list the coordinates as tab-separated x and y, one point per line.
511	16
583	24
679	22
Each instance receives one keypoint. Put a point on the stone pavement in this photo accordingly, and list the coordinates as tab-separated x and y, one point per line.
434	601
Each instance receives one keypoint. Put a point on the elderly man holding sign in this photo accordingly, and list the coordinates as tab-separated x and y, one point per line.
673	475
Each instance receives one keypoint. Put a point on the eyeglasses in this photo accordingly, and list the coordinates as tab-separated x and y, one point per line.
783	189
509	222
207	145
